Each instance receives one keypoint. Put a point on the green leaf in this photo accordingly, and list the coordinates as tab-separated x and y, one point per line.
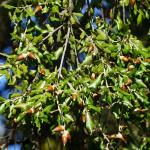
58	53
119	23
95	83
20	117
140	83
68	118
88	60
95	108
89	122
8	6
55	9
2	108
101	36
139	18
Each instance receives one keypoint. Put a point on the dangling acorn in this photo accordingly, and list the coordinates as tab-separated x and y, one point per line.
21	57
59	128
65	137
38	8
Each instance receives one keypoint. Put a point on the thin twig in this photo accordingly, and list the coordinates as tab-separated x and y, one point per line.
50	34
123	9
63	55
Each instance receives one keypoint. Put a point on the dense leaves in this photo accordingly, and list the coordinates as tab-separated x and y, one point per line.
84	74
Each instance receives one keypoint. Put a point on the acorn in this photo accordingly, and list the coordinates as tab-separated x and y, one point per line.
65	137
74	96
30	111
90	48
131	67
147	60
83	118
38	8
124	58
81	103
129	82
21	57
51	88
93	76
59	128
137	61
42	71
132	2
31	55
124	87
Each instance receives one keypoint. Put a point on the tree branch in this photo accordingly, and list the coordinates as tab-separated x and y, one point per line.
50	34
63	55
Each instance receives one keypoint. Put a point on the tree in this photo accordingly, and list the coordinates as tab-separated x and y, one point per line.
79	71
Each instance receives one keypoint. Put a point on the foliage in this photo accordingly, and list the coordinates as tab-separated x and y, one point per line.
75	71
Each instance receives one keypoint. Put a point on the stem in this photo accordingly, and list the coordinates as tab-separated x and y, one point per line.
50	34
63	55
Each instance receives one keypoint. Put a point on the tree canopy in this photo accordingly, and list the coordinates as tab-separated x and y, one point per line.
79	70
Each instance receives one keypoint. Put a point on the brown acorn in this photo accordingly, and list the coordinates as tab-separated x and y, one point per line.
51	88
93	76
83	118
74	96
124	58
65	137
30	111
147	60
137	61
31	55
38	8
90	48
59	128
124	87
129	82
42	71
21	57
132	2
131	67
